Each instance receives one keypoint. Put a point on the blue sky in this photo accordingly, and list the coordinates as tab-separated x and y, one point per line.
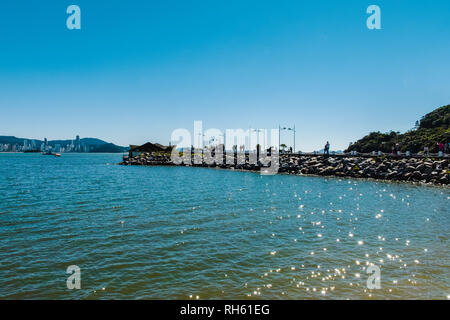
139	69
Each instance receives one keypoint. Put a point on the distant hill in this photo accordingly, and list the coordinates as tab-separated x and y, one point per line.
12	140
107	148
94	144
431	129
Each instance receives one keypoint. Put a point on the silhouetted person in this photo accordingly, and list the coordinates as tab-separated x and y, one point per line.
326	149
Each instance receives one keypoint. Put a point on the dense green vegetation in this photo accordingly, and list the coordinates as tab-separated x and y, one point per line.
107	148
432	128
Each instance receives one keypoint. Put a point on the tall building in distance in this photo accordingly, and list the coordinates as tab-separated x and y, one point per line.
77	144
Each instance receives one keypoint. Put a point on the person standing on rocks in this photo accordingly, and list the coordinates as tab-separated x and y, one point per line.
326	149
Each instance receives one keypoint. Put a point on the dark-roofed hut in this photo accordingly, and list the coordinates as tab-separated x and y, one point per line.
147	148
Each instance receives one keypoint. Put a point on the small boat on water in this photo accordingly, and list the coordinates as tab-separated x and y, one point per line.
49	153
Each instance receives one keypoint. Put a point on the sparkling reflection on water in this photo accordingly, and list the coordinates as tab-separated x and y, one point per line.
194	233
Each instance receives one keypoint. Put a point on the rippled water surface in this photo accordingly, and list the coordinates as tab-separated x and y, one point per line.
166	232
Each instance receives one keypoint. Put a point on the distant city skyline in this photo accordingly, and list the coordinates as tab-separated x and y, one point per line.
28	145
137	70
76	144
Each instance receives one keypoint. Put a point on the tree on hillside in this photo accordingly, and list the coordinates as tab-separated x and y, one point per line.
432	128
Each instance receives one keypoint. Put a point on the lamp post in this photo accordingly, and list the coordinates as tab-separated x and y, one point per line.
279	134
258	146
257	136
279	138
200	140
224	157
200	144
293	132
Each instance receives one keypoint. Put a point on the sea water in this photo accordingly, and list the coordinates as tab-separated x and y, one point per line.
196	233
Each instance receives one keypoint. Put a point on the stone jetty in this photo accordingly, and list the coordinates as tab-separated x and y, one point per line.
430	170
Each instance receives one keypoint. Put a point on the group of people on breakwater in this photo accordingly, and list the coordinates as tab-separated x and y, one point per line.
432	170
443	148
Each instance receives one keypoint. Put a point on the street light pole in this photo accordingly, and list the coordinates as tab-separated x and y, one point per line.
294	138
257	135
279	134
279	137
223	135
249	138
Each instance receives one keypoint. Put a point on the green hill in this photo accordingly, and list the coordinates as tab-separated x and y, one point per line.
432	128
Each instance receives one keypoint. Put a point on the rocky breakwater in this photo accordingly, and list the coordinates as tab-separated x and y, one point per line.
147	159
422	170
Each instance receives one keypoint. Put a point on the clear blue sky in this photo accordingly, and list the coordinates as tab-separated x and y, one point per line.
139	69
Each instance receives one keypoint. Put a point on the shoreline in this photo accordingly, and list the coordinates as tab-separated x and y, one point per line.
433	171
